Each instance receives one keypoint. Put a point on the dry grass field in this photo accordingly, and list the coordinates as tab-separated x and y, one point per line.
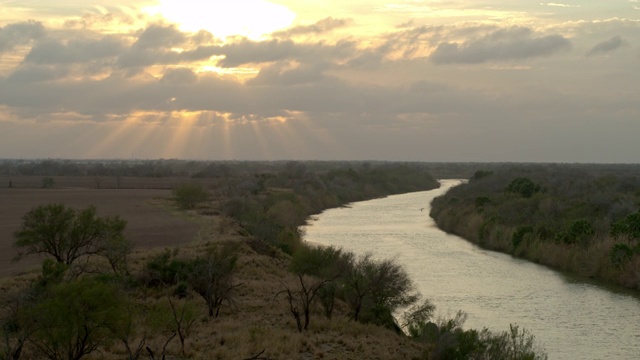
149	223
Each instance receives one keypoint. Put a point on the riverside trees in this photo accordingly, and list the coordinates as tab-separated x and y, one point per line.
585	221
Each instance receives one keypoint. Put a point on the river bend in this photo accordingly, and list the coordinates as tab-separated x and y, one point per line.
573	319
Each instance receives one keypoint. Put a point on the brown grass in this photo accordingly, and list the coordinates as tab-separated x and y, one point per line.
258	321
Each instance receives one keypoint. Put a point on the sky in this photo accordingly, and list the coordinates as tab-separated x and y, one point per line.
404	80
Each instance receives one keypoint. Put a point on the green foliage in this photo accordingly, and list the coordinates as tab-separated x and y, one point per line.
375	289
52	272
74	319
317	268
580	231
451	342
65	233
519	235
482	201
523	186
272	210
480	174
620	254
628	227
212	277
188	196
570	208
165	269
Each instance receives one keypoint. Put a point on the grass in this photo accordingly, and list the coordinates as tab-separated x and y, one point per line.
259	321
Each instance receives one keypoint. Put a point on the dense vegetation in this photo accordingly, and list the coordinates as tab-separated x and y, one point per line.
94	295
583	220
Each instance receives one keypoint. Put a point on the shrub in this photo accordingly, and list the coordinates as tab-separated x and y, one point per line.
187	196
620	254
519	235
523	186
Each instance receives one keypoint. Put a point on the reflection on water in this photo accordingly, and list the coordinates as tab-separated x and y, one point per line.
572	318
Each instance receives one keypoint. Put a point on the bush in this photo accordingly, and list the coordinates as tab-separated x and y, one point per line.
523	186
620	254
519	235
187	196
74	319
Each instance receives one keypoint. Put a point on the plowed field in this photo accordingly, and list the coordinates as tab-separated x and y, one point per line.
148	225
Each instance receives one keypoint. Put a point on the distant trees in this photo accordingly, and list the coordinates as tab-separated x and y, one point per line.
187	196
557	215
523	186
67	234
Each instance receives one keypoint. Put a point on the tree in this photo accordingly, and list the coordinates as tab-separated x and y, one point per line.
315	267
523	186
65	233
212	278
74	319
187	196
376	289
628	227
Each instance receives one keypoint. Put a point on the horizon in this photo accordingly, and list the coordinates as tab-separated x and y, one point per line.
281	80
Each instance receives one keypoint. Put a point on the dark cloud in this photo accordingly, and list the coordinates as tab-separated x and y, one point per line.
141	58
32	74
514	43
607	46
52	51
160	36
155	46
20	34
255	52
320	27
283	74
180	76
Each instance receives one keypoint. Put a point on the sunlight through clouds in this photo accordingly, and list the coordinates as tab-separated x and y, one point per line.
249	18
276	79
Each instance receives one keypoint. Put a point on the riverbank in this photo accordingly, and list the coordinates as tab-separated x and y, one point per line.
494	289
568	220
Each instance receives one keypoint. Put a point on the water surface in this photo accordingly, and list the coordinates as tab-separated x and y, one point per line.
573	319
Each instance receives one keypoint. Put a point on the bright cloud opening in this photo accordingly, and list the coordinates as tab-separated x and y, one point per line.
250	18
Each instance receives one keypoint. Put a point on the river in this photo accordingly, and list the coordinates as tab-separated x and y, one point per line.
572	318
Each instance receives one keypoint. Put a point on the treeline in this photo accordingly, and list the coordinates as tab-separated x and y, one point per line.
583	220
272	206
160	168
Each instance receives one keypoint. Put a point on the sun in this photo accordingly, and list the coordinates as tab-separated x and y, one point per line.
249	18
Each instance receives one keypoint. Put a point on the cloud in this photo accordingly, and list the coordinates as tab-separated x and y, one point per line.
515	43
607	46
559	5
255	52
159	36
51	51
323	26
18	34
164	45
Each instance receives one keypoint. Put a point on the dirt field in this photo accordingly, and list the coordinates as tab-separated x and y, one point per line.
148	225
100	182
